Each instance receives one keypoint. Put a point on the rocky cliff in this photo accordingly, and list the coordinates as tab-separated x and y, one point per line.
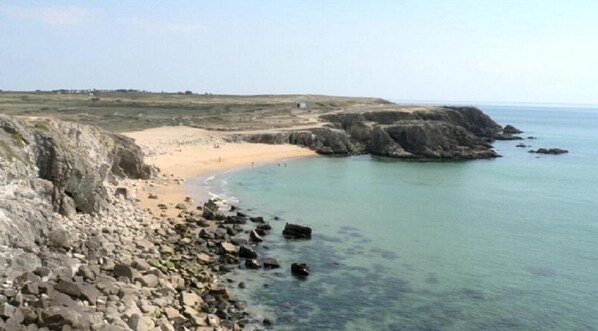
50	170
437	133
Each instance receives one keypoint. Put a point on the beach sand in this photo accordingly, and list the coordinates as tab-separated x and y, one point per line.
183	153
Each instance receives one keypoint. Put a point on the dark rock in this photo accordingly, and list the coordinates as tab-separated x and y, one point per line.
257	219
122	270
242	285
270	263
295	231
521	145
59	238
255	237
68	287
121	192
506	136
247	253
252	264
7	310
264	227
382	144
300	269
267	322
553	151
509	129
31	288
531	137
57	318
42	271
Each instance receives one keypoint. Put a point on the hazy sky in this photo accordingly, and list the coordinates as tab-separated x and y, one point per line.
512	51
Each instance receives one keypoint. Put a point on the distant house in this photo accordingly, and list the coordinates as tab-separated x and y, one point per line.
301	105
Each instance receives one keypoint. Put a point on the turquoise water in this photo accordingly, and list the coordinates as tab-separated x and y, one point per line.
504	244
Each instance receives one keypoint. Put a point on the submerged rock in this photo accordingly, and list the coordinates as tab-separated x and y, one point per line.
295	231
553	151
300	269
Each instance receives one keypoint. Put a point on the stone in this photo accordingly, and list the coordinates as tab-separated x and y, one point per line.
252	264
149	280
204	258
121	193
89	293
255	237
171	313
247	252
123	270
190	299
68	287
152	196
270	263
59	238
553	151
141	264
42	271
295	231
257	219
141	323
30	288
56	318
509	129
7	310
229	248
300	269
213	320
85	272
181	206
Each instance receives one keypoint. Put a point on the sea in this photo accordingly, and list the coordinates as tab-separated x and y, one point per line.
503	244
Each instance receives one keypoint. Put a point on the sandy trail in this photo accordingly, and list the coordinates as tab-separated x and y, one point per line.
184	153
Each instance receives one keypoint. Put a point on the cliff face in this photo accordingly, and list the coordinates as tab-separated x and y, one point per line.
52	169
440	133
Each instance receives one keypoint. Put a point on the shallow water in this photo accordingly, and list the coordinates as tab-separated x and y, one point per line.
510	243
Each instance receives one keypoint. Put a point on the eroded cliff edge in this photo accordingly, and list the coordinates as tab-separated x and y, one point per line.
435	133
50	170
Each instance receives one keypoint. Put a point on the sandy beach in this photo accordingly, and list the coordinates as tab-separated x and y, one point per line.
183	153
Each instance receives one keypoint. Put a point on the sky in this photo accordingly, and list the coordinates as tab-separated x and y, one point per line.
447	50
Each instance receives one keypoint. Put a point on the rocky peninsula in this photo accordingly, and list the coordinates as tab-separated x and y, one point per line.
97	231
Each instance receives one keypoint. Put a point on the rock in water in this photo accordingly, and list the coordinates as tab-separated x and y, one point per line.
270	263
295	231
553	151
509	129
300	269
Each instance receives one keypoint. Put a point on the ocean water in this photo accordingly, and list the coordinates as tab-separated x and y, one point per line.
504	244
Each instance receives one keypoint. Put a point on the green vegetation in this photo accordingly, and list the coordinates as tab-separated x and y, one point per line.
7	151
18	139
128	110
41	126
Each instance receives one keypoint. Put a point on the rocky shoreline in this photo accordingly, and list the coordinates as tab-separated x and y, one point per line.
77	253
436	133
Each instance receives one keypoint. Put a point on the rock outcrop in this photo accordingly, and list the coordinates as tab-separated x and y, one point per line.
49	170
552	151
439	133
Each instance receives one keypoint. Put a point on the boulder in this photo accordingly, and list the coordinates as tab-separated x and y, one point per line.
295	231
255	237
252	264
553	151
300	269
270	263
509	129
247	253
68	287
